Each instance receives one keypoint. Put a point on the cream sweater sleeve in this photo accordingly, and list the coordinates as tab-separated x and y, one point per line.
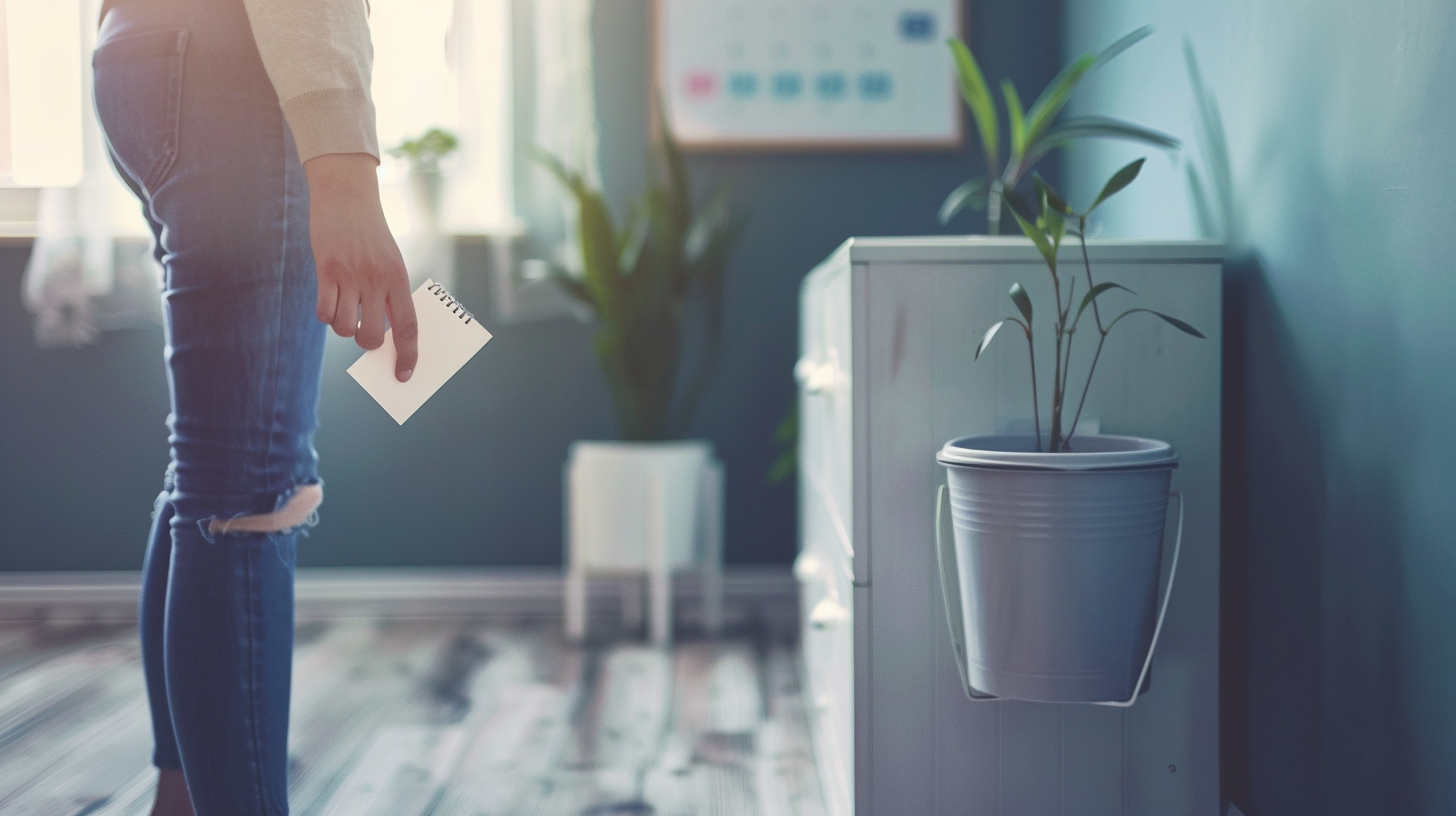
319	57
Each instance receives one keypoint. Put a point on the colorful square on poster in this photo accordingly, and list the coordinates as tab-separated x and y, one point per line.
800	73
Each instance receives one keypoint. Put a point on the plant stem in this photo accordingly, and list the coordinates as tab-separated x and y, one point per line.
1060	326
1066	377
1035	411
1056	398
1095	357
1087	262
993	208
1102	332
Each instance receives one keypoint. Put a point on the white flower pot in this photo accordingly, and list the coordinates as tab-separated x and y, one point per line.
635	508
1051	587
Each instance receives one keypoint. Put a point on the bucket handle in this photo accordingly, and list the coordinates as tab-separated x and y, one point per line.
950	593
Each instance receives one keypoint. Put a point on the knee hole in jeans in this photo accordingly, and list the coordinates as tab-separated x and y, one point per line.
299	511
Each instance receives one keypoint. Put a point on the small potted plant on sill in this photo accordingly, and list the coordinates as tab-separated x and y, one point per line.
426	181
1051	585
644	281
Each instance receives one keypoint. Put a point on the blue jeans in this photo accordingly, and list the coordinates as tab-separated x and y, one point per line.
194	127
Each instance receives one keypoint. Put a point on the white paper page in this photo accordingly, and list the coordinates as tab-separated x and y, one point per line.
449	337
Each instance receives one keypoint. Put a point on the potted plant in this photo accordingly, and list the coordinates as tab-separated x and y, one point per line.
1035	132
1051	586
426	181
644	281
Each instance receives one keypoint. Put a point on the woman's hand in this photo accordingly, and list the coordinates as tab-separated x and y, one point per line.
361	275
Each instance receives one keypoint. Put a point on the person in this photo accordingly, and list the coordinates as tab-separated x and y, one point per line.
246	129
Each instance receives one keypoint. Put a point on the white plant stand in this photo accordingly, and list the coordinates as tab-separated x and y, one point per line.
636	509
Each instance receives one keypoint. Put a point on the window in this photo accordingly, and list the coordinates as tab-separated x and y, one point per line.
447	64
499	74
40	116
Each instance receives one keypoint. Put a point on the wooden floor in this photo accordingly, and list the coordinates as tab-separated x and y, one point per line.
437	717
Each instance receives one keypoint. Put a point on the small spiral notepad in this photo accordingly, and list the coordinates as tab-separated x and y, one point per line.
449	337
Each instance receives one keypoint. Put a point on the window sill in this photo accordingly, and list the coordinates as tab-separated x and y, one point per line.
22	234
16	234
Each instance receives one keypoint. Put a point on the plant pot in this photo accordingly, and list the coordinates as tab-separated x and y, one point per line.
609	486
1051	586
427	187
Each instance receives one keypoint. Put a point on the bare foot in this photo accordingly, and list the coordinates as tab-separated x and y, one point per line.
172	797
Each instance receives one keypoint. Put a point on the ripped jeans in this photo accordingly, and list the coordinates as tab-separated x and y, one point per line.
194	127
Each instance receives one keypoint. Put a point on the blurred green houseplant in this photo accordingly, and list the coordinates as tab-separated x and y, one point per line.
1032	133
424	153
642	280
1046	226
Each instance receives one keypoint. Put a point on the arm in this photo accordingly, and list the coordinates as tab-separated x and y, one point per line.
319	57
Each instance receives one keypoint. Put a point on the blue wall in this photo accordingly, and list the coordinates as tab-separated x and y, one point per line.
1340	647
475	478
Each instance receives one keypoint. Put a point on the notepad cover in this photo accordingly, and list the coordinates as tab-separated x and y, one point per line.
449	337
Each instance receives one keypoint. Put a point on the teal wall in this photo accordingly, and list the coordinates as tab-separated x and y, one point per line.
1339	614
475	478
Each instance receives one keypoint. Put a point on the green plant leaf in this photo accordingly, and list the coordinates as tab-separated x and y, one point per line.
677	171
634	240
1207	228
1051	220
970	194
783	467
1128	41
1038	237
1172	321
1055	97
990	334
598	235
1119	180
1051	196
1015	118
1097	127
1059	92
1018	204
1022	300
1056	226
978	99
1214	144
571	285
553	165
1094	293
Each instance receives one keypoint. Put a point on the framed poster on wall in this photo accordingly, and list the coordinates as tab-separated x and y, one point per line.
798	74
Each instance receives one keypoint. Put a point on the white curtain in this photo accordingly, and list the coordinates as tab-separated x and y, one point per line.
91	268
564	123
503	75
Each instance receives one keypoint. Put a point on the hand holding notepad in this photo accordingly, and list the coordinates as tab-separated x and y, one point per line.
449	337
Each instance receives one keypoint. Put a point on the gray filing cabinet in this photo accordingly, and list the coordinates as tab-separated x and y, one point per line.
887	375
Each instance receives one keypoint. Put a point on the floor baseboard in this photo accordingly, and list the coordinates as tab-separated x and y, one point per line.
400	592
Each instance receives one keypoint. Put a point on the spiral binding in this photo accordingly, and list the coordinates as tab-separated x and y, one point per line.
451	303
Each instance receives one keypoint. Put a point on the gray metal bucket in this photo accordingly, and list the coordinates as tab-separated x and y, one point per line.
1051	585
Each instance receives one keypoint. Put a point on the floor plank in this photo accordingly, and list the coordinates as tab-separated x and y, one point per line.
75	705
788	782
371	683
438	718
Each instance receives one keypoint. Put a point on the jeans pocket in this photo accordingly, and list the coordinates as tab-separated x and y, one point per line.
138	89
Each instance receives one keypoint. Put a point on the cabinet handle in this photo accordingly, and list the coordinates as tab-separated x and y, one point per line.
816	378
807	567
827	613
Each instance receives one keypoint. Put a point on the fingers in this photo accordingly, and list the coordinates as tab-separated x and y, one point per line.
371	321
328	300
346	313
406	330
